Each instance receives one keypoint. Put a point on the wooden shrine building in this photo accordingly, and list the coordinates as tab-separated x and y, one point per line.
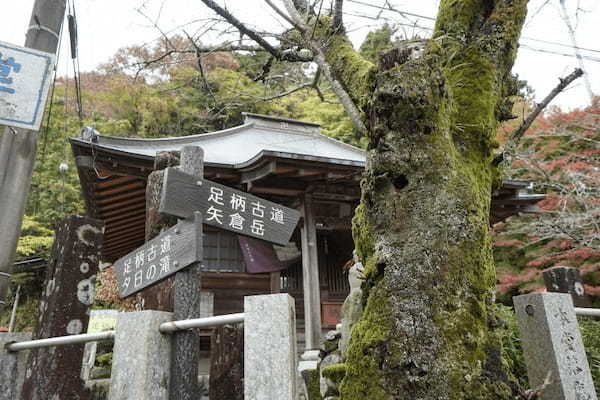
285	161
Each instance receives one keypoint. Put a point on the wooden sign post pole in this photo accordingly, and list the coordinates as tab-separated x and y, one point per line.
186	344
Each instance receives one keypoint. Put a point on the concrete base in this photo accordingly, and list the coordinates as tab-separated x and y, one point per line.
141	357
12	366
270	347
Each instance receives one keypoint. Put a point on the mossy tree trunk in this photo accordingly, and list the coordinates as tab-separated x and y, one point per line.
431	110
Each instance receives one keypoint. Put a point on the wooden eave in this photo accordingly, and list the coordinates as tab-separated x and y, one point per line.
114	182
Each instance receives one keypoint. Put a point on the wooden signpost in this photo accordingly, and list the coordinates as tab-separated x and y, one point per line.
171	251
227	208
185	194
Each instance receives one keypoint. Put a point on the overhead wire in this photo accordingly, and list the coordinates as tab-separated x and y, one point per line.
404	13
523	45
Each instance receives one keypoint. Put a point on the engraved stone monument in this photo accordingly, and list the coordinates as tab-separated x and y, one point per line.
552	346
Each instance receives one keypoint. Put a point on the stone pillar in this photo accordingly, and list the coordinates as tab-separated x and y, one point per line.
55	372
552	346
270	347
561	279
89	357
141	357
12	366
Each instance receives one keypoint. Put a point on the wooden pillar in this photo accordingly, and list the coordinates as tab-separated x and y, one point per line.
186	301
275	282
227	363
310	277
158	297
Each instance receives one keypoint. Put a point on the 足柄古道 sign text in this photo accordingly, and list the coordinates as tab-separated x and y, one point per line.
227	208
25	76
171	251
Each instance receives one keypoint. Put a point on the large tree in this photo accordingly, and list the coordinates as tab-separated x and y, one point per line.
430	110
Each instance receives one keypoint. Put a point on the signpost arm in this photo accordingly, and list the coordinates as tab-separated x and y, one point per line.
17	155
186	344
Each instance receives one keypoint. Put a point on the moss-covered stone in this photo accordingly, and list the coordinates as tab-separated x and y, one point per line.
335	372
105	360
311	382
330	345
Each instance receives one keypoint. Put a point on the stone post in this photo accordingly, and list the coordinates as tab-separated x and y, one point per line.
141	357
55	372
552	346
561	279
12	366
270	347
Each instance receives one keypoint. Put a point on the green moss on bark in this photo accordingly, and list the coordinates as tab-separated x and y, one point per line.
366	350
311	380
429	329
335	372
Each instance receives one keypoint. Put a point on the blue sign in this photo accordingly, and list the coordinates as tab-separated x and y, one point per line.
25	76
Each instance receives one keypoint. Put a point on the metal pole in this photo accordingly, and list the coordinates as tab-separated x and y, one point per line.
186	301
208	322
590	312
13	314
18	149
61	341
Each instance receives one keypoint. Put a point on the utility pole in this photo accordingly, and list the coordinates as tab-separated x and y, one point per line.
18	146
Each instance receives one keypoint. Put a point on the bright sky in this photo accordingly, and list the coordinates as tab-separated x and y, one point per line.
106	25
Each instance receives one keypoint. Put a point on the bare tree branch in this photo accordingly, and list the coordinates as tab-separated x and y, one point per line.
265	70
567	21
283	15
319	57
201	68
345	99
276	52
312	35
564	82
311	85
517	134
295	18
338	22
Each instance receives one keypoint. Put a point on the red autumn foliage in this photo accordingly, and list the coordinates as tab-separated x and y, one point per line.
560	155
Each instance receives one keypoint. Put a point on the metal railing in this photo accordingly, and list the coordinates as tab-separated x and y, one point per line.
166	327
60	341
174	326
590	312
207	322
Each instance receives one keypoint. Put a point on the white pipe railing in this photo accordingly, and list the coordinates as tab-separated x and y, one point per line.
173	326
591	312
60	341
208	322
167	327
